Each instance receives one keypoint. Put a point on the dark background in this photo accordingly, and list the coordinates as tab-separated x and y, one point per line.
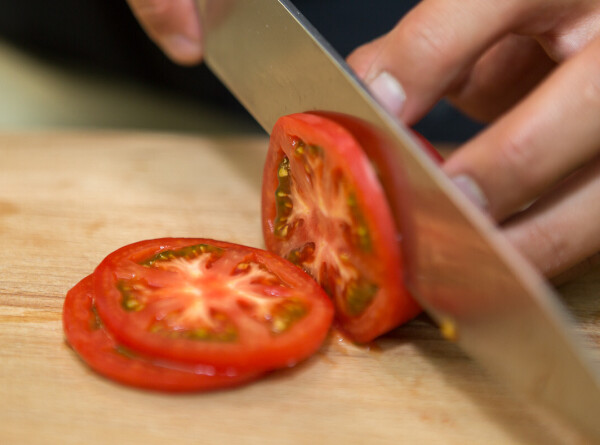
103	36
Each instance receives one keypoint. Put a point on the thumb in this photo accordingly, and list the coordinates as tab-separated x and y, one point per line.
173	25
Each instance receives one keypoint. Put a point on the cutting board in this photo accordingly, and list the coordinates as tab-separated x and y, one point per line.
68	199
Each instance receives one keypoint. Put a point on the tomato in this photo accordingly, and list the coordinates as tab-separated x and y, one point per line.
212	302
381	153
324	209
86	334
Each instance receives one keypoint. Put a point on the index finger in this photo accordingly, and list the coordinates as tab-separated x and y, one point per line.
439	40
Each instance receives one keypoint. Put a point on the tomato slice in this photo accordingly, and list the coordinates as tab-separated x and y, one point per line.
324	209
86	334
213	302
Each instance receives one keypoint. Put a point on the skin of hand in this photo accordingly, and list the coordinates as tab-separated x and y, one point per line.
173	25
532	70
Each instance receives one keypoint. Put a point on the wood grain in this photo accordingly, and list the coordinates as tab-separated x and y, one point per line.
67	200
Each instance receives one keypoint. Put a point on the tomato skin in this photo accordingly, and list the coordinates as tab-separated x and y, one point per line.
391	304
252	348
97	347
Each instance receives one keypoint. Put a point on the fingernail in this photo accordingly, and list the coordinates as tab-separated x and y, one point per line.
388	91
471	190
182	48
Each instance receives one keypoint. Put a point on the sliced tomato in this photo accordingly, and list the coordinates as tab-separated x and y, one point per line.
324	209
86	334
212	302
381	152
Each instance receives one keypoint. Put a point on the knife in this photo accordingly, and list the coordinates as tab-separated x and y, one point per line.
459	266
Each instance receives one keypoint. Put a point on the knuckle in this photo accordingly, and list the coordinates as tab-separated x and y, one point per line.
570	35
517	158
559	48
425	39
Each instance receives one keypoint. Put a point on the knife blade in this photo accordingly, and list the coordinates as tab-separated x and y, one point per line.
459	266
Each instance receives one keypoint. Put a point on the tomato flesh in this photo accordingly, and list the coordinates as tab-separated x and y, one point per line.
324	210
207	301
87	335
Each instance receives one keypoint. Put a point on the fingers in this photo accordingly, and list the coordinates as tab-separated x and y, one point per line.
497	81
546	116
436	43
559	233
548	135
501	77
174	27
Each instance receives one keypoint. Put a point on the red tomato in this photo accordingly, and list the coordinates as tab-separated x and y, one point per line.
324	209
86	334
381	153
212	302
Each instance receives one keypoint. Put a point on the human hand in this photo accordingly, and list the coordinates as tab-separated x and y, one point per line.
532	69
173	25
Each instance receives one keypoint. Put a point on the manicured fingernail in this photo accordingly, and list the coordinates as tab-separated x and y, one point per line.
182	48
472	191
388	91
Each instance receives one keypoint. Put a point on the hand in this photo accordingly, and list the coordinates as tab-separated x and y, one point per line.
532	69
174	27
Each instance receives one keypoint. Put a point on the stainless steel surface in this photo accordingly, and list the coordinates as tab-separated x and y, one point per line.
461	270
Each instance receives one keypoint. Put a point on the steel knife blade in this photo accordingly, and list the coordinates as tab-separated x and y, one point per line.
460	267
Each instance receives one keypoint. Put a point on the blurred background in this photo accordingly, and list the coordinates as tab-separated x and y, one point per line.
88	64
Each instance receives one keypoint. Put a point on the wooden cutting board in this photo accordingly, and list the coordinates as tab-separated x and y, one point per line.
68	199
